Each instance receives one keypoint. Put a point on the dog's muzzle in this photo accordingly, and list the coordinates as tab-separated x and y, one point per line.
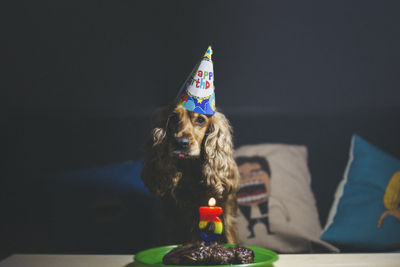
181	146
182	143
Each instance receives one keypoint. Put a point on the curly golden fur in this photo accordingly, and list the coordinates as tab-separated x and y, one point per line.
186	176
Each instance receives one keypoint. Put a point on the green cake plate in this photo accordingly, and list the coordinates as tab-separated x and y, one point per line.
153	257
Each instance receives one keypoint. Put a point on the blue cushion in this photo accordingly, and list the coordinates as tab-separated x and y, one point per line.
124	176
370	187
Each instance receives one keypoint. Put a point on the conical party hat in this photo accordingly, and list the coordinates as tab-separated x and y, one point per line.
198	94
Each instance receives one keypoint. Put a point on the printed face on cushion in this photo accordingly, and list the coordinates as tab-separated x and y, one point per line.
255	184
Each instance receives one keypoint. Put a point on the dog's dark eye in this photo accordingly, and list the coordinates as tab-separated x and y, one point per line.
200	120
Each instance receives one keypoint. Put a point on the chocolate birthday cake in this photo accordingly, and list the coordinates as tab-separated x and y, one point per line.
198	253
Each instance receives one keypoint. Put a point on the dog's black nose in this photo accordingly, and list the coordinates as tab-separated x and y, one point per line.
182	142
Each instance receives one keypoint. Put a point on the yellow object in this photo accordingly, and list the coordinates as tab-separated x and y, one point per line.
391	198
203	224
392	193
218	228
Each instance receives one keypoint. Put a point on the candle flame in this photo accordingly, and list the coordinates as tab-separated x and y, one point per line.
211	202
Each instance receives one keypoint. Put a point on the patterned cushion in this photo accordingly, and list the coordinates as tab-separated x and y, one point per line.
277	209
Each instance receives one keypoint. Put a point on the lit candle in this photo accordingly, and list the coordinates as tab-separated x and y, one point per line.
210	224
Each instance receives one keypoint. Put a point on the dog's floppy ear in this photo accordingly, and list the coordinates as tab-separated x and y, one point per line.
220	168
159	173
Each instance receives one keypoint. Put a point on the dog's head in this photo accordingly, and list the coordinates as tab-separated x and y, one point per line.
181	134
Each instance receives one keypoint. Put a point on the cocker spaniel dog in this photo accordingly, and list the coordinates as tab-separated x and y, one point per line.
189	159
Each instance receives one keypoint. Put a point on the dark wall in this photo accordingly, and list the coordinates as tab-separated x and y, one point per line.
81	81
119	58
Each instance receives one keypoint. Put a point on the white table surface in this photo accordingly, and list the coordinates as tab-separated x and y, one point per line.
310	260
